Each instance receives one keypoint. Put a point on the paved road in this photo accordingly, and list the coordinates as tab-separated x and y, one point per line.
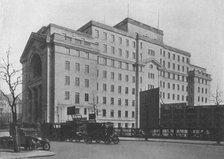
136	150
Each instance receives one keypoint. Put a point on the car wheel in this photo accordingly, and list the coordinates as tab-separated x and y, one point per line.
46	146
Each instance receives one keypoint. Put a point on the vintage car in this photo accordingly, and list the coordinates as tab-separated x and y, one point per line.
30	139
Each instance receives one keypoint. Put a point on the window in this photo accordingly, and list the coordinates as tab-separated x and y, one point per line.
126	102
168	64
168	85
140	79
126	66
182	98
178	87
112	88
77	67
126	113
104	100
104	36
112	75
126	90
133	103
120	52
76	98
178	58
178	97
119	114
112	101
183	78
67	95
119	89
120	40
133	91
164	53
133	79
168	96
182	87
127	42
173	86
85	111
119	77
67	65
112	113
119	101
120	64
173	96
77	81
86	97
127	54
112	62
112	50
168	55
174	66
97	33
188	60
126	125
104	87
112	38
133	44
133	114
174	76
133	54
104	74
86	68
198	89
104	48
67	80
86	83
126	78
182	59
141	45
104	61
97	86
198	99
182	68
104	112
173	56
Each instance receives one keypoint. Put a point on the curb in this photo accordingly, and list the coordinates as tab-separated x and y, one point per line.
29	154
172	141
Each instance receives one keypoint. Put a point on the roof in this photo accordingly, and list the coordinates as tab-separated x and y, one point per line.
139	24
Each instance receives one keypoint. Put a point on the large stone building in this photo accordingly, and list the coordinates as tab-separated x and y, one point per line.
95	67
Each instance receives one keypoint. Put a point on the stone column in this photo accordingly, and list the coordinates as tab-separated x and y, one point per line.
32	110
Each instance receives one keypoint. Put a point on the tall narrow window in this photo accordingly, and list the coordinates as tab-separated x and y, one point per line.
77	67
86	68
67	95
77	81
76	98
67	65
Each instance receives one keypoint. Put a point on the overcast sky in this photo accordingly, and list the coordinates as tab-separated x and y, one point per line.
196	26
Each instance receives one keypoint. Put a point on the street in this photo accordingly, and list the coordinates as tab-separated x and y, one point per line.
136	150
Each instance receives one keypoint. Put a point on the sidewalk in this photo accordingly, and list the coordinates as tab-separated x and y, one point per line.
172	141
6	154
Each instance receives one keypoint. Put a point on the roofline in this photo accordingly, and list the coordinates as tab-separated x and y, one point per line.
139	24
198	66
70	30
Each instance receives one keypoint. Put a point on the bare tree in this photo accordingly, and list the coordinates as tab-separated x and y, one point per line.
12	78
217	97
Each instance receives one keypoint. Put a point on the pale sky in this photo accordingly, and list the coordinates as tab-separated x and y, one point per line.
196	26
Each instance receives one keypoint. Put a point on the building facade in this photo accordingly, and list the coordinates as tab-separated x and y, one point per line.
100	68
